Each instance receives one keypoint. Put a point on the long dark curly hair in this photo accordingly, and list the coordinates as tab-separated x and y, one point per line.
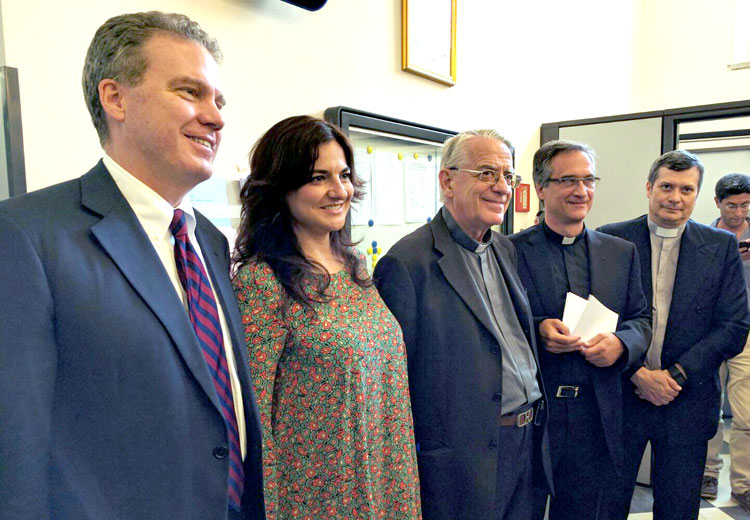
281	162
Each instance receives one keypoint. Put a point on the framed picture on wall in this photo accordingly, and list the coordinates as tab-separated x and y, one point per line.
428	39
523	198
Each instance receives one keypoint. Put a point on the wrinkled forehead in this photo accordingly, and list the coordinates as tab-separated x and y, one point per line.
488	152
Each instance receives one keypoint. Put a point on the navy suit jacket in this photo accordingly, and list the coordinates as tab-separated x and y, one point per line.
708	321
615	280
107	408
455	371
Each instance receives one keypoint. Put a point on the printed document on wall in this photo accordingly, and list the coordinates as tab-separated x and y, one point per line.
419	188
387	189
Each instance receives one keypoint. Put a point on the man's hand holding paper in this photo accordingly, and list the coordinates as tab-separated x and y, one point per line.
594	324
557	338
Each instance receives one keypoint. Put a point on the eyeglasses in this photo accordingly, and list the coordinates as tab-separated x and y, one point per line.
572	182
491	176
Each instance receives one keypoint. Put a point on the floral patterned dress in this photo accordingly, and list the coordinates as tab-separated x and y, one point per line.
334	401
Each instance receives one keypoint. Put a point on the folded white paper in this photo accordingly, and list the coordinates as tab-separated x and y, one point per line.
587	318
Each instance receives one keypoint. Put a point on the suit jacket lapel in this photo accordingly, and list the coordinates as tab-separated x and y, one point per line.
540	270
120	234
454	270
513	283
642	240
694	253
600	267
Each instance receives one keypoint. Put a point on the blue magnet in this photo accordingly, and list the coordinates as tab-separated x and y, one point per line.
370	223
374	244
429	219
429	157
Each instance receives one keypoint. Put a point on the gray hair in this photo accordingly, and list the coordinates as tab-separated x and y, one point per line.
543	157
115	53
455	150
676	160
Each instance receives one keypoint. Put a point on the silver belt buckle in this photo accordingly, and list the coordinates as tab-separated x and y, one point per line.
567	391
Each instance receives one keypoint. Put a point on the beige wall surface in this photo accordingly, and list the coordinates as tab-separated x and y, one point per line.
520	64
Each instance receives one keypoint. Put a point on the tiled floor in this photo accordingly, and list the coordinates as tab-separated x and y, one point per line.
723	508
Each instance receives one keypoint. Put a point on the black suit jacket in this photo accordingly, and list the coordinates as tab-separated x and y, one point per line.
615	280
454	367
107	407
708	320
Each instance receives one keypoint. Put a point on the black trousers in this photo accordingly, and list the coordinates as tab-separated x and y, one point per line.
677	469
586	485
515	470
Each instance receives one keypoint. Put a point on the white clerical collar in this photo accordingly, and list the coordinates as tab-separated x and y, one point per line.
566	241
665	232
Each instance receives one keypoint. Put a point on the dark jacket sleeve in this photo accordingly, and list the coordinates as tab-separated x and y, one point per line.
731	320
28	364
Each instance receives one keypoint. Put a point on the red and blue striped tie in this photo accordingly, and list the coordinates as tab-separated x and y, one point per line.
204	316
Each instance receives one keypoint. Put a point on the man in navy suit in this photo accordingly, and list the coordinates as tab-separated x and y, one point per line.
476	393
692	274
561	256
108	409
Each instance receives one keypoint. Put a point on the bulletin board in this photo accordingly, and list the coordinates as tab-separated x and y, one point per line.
399	161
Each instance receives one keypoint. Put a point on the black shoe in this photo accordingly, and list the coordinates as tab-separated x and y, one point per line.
743	499
710	487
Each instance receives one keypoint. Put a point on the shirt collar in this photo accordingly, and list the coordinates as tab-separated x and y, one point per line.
462	238
665	232
153	211
557	238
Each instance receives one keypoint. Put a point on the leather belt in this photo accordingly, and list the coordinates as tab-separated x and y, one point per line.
519	418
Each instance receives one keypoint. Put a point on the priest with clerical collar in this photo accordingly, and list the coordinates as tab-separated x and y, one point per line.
582	375
692	274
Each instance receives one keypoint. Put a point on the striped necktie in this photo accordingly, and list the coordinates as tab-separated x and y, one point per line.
204	316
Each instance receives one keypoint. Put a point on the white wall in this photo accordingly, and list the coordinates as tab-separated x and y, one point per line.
520	64
516	69
683	49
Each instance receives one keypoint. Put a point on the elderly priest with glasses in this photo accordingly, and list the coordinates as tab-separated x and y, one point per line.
581	369
477	395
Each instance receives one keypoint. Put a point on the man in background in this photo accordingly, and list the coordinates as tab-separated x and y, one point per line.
124	387
558	257
477	396
733	200
692	274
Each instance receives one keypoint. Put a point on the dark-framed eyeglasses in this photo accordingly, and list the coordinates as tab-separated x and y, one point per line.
491	176
572	182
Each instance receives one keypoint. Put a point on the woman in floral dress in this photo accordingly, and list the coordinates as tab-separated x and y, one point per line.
327	357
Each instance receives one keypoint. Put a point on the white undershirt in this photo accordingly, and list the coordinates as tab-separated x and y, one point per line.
155	215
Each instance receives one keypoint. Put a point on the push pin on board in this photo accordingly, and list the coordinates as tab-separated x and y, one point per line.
370	222
429	219
416	155
400	156
369	149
